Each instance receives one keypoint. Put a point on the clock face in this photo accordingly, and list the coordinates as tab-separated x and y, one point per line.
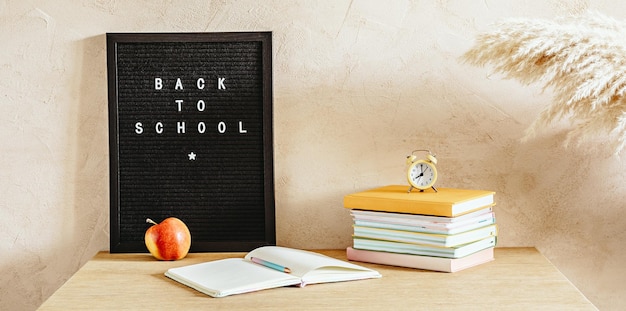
422	174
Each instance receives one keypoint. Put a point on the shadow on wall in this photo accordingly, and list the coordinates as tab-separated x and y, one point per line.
91	208
567	202
88	139
78	221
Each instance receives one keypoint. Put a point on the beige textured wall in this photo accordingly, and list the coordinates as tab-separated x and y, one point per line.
357	84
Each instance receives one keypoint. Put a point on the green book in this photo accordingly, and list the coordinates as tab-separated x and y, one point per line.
423	249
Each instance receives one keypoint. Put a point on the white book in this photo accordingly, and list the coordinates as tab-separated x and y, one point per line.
410	219
267	267
422	223
444	240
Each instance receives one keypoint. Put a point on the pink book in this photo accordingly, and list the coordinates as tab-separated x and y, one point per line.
421	262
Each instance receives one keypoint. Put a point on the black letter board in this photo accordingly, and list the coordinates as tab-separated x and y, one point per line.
190	126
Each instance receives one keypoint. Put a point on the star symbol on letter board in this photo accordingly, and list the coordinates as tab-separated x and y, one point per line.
192	156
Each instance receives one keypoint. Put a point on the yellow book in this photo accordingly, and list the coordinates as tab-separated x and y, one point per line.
446	202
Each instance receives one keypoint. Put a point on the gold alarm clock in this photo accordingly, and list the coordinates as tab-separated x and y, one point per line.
422	173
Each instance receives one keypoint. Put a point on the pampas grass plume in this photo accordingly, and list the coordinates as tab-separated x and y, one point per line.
582	58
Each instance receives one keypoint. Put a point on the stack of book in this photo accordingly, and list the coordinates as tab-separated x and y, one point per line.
448	230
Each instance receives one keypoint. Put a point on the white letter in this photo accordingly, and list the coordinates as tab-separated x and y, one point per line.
201	127
179	84
201	105
221	127
220	83
180	127
180	104
158	83
241	129
138	128
200	84
158	127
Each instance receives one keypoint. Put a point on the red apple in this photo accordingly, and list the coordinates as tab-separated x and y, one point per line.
169	240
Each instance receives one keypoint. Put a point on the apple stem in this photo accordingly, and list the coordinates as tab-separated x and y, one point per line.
150	221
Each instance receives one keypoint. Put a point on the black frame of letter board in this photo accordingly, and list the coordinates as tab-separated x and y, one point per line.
190	136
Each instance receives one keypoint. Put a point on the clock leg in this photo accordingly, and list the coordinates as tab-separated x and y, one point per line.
435	189
410	188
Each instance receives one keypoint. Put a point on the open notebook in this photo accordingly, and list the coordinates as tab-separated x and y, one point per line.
264	268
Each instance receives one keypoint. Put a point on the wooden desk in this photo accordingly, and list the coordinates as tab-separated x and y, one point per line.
519	278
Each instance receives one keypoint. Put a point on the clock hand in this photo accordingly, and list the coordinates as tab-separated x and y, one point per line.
421	171
419	176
